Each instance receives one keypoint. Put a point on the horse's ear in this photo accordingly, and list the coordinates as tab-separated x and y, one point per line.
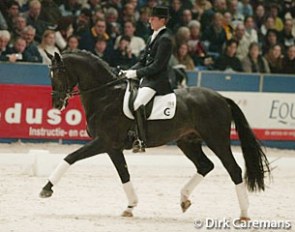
48	54
57	57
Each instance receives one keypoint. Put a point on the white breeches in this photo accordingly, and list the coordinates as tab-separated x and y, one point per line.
145	94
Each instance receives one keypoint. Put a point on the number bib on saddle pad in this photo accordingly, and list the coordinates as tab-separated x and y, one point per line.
164	106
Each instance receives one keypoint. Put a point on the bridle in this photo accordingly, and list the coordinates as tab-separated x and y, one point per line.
68	93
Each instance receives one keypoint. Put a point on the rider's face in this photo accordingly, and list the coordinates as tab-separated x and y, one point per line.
156	22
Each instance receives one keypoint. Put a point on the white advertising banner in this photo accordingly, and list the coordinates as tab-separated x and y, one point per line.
271	115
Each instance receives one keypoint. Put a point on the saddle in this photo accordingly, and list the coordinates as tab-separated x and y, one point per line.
159	107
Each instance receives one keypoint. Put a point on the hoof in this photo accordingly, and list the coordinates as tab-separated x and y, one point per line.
185	205
46	193
244	219
127	214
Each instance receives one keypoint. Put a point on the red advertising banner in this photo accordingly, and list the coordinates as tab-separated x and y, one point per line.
26	112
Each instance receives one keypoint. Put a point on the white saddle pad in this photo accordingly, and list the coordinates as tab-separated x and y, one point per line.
164	107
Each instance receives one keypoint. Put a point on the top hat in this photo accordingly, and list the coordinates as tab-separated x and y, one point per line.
160	12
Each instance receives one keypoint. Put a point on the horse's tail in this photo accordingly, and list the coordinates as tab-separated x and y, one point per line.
255	159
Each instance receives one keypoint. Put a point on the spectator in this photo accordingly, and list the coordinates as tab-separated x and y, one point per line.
254	62
88	39
289	61
18	52
286	36
274	12
72	43
245	8
220	6
186	17
228	60
123	56
50	12
215	35
243	41
183	57
250	31
175	14
259	16
70	8
112	3
48	44
100	49
98	14
63	31
269	23
137	44
82	22
33	19
12	12
200	7
19	25
4	42
114	28
274	58
143	29
182	35
129	13
237	17
92	5
271	38
28	34
228	26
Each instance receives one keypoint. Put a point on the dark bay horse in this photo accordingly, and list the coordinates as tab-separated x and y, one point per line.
202	116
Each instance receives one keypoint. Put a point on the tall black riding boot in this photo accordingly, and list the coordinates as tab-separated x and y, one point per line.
140	143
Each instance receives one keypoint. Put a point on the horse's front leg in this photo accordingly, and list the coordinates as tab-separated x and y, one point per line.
119	161
88	150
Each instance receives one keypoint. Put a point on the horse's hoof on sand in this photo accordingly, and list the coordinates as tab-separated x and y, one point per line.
244	219
185	205
46	193
127	214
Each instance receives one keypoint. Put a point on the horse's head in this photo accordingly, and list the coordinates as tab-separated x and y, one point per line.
60	82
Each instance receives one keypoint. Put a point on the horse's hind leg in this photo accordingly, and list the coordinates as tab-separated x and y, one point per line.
224	153
119	161
90	149
193	150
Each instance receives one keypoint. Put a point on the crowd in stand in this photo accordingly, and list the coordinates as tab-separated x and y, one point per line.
231	35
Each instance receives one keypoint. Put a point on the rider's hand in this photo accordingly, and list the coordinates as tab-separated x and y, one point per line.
130	74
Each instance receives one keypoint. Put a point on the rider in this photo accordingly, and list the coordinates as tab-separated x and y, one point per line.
151	70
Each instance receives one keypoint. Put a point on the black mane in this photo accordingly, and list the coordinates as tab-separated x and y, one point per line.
95	59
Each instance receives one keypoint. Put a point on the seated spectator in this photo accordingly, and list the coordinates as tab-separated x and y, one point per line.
286	36
228	60
243	41
13	10
228	26
183	57
259	17
72	43
50	12
129	13
274	12
3	23
4	42
63	31
82	22
175	14
114	28
28	34
137	44
92	5
254	62
186	17
143	29
199	7
123	56
70	8
289	61
214	36
237	17
33	19
250	31
19	25
48	44
100	49
18	52
182	35
88	39
271	38
269	23
274	58
245	8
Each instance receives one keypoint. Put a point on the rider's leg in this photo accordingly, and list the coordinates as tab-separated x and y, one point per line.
144	95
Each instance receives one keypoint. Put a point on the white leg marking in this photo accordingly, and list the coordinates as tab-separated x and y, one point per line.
131	195
190	186
58	172
243	199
